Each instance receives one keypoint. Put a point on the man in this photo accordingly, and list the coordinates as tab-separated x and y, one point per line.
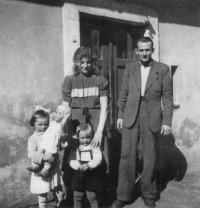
145	83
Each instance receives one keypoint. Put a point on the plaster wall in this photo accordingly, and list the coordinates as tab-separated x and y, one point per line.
179	45
32	71
127	12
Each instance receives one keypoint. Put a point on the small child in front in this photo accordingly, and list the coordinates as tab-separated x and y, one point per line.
52	139
86	175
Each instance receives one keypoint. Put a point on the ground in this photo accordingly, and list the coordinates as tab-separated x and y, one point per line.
182	194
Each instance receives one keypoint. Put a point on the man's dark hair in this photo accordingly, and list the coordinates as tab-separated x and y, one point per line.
144	40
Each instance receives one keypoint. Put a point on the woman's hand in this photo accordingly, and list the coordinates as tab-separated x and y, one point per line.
96	142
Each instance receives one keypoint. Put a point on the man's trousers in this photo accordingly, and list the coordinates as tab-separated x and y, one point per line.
127	168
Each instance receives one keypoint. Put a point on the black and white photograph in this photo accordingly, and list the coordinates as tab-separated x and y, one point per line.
99	104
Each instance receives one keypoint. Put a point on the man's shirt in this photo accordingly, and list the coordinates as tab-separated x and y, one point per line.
144	76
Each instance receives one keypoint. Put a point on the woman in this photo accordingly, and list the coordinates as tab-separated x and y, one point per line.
86	93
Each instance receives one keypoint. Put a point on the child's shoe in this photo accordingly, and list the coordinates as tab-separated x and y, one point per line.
34	169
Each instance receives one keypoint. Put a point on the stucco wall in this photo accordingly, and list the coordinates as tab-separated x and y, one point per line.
179	31
31	66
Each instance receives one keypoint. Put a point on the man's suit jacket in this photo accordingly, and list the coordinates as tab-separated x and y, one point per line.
158	86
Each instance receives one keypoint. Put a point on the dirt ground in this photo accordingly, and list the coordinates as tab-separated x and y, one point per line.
182	194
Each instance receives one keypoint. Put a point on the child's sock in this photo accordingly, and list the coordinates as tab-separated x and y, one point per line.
92	199
77	204
77	199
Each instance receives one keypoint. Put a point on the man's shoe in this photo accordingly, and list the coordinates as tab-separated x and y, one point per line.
118	204
149	202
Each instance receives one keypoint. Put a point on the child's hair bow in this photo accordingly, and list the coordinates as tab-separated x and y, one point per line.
39	107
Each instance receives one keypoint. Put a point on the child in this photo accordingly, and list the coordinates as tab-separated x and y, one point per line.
41	186
52	140
86	168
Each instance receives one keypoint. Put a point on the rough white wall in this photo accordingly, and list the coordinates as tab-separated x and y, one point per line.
31	66
179	45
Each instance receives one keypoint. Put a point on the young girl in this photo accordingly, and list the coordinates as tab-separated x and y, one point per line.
86	168
40	185
52	140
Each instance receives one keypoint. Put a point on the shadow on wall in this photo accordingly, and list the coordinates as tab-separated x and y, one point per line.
58	3
189	134
171	165
178	12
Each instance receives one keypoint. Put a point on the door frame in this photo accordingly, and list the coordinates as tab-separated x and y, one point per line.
71	25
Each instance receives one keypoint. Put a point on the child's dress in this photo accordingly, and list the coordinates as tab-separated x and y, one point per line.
39	184
90	179
51	142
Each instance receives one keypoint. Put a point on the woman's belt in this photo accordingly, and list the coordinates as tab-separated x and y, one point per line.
86	113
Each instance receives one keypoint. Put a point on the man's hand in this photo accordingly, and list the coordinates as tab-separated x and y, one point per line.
84	167
165	130
96	142
49	158
120	123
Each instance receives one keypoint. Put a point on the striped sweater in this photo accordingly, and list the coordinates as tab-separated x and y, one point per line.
82	91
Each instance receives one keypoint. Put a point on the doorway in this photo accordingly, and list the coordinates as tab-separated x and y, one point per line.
115	43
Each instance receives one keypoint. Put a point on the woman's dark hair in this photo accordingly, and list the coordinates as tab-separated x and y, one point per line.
38	114
85	52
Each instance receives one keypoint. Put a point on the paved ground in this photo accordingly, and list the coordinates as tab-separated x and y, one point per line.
182	194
